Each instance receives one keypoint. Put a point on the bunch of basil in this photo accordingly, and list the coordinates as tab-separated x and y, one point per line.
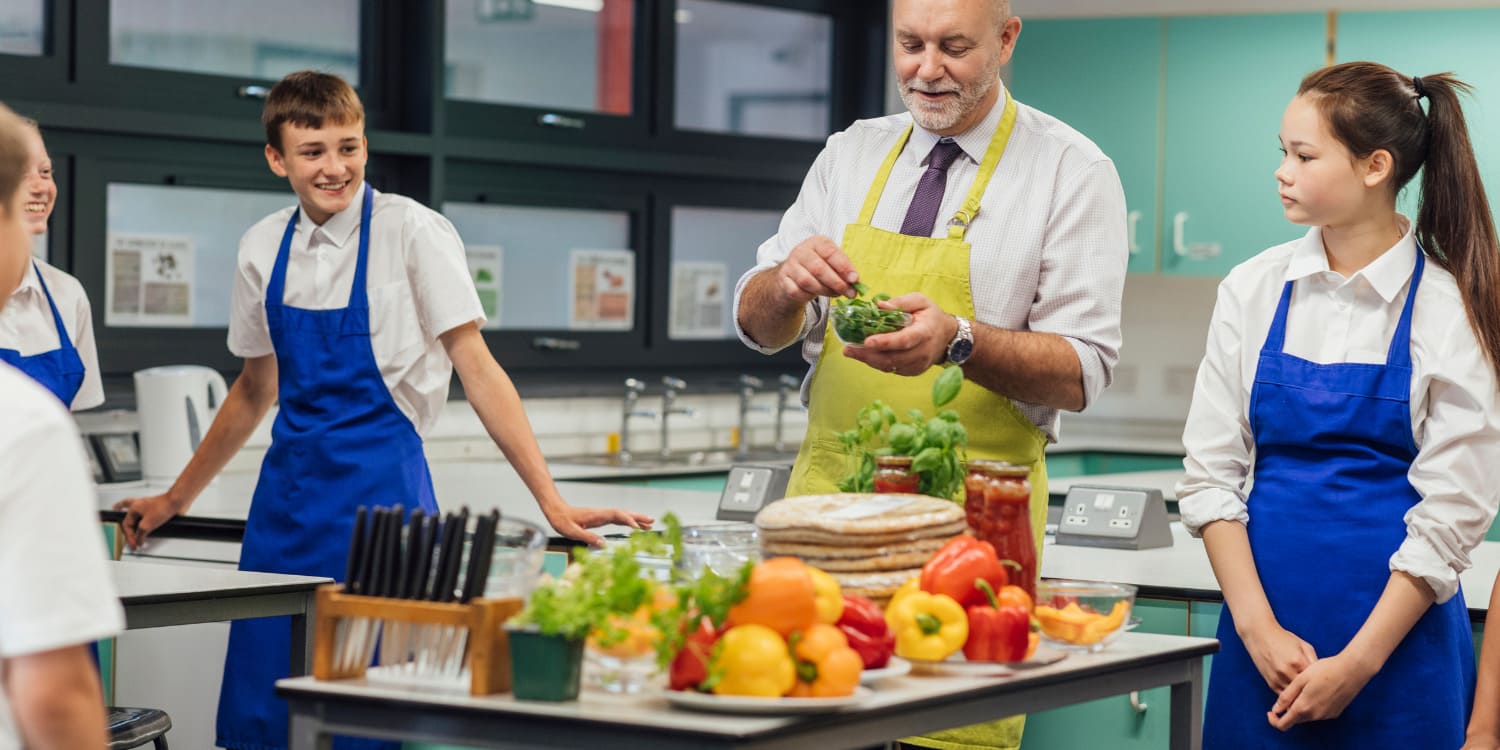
936	445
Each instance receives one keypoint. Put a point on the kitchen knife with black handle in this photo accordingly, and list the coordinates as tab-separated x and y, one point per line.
356	550
445	551
480	555
407	569
450	570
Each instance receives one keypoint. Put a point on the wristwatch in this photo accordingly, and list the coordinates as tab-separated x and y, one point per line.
962	345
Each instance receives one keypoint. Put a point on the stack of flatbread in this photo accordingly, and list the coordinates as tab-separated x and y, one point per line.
870	543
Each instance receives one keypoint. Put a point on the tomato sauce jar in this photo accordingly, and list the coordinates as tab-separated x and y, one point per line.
894	474
997	505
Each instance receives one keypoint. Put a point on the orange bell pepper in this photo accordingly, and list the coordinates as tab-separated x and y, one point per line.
955	567
781	596
826	666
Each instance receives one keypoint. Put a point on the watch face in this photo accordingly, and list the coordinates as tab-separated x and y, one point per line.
959	351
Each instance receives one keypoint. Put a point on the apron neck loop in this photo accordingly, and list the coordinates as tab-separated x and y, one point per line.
958	226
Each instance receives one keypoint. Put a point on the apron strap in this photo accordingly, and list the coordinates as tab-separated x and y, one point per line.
357	295
959	224
63	342
1276	337
275	289
872	199
1400	352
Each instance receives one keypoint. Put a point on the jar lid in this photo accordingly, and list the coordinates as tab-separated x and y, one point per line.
893	461
998	468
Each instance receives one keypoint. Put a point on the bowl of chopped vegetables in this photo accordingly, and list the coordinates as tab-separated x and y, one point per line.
858	318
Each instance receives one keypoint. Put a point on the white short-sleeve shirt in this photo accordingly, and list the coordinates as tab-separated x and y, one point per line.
418	286
26	325
1048	246
1455	419
55	590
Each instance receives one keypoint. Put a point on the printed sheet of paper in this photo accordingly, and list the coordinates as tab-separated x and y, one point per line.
699	300
486	265
148	280
603	289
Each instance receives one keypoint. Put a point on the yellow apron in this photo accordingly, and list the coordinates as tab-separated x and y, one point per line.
939	268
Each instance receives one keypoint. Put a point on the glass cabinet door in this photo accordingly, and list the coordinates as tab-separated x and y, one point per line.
265	39
711	249
22	25
574	55
540	268
750	70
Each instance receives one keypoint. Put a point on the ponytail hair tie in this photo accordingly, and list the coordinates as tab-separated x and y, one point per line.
1416	82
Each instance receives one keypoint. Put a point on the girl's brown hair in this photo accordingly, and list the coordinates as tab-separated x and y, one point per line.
1368	107
307	99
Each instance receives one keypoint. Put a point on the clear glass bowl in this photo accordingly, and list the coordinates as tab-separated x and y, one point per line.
848	330
517	560
1082	615
720	547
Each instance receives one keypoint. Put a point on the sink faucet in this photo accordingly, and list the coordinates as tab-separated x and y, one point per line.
633	390
748	384
789	385
670	388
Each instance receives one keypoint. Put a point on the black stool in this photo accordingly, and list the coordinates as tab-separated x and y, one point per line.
133	727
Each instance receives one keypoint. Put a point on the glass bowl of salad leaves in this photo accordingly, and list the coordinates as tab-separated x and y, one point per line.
861	317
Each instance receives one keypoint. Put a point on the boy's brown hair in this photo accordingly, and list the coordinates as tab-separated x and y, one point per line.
307	99
15	155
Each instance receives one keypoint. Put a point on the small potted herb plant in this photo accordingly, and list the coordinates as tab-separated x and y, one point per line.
594	598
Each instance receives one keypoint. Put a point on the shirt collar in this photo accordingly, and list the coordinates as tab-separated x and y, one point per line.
1386	274
29	280
974	141
340	226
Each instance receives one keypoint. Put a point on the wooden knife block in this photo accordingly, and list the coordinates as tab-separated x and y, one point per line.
489	644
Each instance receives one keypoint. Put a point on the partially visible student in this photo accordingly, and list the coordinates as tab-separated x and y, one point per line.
46	329
352	309
1353	373
56	596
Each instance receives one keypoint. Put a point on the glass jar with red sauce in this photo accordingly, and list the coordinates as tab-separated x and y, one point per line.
894	474
997	505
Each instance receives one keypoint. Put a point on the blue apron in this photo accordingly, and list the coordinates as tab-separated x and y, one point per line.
60	370
1333	444
339	441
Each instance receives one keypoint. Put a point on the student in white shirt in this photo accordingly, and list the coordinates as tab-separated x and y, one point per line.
56	596
352	309
1353	374
63	358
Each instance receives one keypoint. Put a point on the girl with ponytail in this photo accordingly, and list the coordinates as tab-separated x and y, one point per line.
1353	374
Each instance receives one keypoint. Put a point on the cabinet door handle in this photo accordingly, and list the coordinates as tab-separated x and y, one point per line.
1136	703
1132	219
1195	251
252	92
553	120
554	344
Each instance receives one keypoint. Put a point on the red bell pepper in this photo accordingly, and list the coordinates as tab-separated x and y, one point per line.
955	567
863	624
690	666
996	633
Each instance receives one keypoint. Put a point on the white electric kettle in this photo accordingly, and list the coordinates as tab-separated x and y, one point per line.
175	405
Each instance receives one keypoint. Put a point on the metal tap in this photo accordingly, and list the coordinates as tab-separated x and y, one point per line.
789	384
670	387
633	390
748	385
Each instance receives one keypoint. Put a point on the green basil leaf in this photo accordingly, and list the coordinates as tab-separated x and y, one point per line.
926	460
945	388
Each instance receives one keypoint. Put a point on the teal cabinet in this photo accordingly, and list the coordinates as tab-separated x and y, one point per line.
1228	80
1203	622
1113	722
1416	43
1101	462
1103	78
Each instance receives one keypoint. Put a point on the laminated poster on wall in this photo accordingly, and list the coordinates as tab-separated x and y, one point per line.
149	280
486	264
699	300
603	290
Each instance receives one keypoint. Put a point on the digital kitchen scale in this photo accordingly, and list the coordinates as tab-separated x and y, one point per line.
751	487
1114	517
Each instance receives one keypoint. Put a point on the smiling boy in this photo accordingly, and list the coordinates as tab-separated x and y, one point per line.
353	308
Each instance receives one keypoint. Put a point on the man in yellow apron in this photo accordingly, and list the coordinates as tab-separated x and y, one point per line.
1010	256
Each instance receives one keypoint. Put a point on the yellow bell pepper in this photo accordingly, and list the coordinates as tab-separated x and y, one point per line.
828	596
927	626
912	584
752	660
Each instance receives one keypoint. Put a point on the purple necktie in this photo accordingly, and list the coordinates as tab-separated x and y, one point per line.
923	210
